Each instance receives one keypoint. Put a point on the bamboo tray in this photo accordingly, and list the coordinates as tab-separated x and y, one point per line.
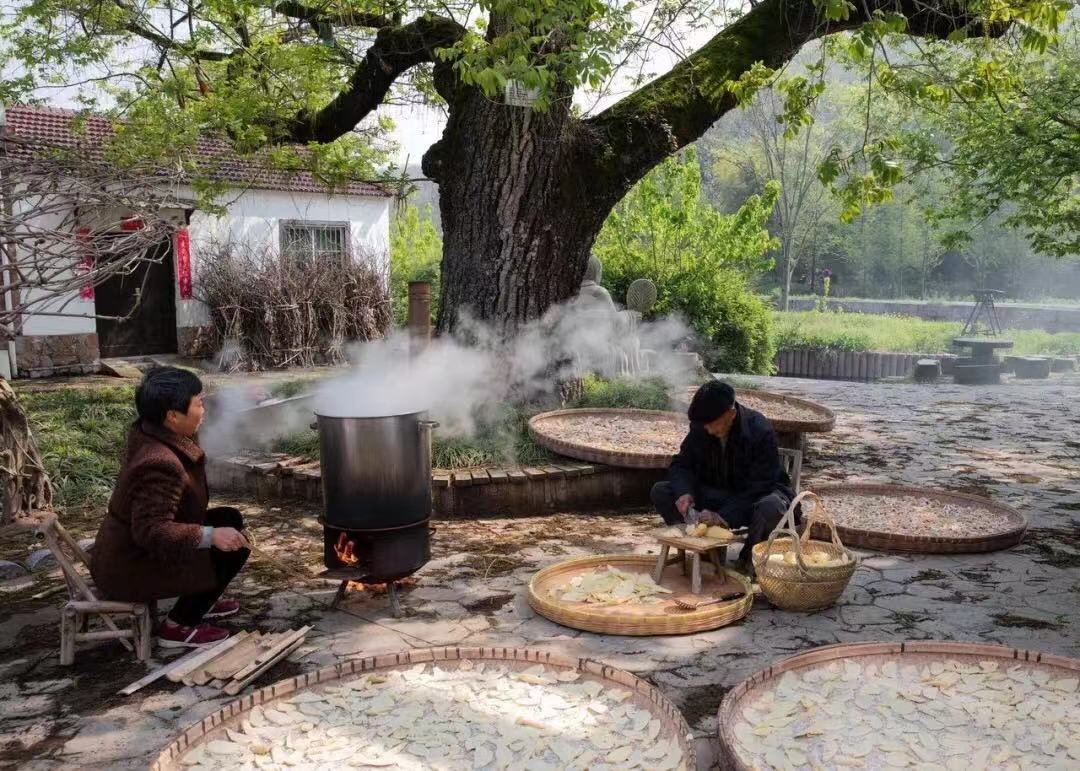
910	652
644	695
772	405
930	542
545	431
637	619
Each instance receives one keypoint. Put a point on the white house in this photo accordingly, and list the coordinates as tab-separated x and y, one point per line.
267	208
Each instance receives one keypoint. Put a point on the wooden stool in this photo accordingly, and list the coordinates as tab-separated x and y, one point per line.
716	553
75	615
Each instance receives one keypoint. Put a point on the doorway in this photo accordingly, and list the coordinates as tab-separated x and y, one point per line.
151	326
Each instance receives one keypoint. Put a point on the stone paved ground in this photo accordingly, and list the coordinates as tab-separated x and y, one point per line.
1017	443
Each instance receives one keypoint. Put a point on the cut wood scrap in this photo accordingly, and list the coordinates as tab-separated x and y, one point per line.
194	675
280	644
238	685
205	655
160	672
225	666
239	655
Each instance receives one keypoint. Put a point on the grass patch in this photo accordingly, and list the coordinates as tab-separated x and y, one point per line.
927	575
303	445
624	393
81	434
287	389
902	334
1023	622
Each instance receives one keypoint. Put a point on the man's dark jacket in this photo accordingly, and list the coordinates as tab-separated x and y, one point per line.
753	468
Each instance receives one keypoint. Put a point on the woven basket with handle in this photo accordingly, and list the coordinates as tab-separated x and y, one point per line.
799	585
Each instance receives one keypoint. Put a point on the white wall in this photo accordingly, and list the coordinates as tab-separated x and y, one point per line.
67	304
253	218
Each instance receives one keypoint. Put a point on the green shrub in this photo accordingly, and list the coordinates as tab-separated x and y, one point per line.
415	255
647	394
738	325
700	260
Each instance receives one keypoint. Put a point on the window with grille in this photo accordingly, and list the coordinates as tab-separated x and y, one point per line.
306	242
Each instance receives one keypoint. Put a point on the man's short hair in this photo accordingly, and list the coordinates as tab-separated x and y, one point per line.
711	401
163	389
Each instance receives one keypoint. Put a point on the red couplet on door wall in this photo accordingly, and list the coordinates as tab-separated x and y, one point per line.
183	263
86	263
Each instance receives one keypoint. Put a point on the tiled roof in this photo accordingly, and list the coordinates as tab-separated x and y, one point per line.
52	127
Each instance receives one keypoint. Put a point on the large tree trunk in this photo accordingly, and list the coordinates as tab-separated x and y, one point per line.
523	194
517	218
24	484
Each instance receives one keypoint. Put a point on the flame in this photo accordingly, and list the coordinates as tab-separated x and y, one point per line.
344	549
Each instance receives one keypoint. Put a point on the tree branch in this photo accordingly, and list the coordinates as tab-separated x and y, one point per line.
163	41
677	108
395	50
297	10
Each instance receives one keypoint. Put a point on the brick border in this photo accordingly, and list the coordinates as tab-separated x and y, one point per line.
497	491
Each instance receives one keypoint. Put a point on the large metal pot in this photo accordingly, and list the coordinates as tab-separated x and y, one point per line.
376	471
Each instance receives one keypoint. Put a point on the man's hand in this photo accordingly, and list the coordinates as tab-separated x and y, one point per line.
684	503
711	518
228	539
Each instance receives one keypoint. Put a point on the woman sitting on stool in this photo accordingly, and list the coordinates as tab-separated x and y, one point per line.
158	538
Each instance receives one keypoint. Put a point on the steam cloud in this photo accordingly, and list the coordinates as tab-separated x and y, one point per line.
461	380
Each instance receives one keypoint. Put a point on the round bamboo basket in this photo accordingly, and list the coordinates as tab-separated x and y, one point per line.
929	543
772	406
644	695
543	428
918	652
637	619
802	586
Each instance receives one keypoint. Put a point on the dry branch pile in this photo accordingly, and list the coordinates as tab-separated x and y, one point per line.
272	312
24	485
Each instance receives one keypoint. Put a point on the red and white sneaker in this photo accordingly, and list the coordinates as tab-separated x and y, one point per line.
223	609
172	635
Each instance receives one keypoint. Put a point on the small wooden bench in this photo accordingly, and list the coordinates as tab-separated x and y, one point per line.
84	603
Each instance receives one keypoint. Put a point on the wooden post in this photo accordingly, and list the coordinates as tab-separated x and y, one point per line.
143	626
68	625
419	314
661	562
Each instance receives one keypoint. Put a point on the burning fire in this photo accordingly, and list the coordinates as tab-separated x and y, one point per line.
345	550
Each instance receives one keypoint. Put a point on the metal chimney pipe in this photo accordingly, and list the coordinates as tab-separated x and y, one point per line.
419	315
